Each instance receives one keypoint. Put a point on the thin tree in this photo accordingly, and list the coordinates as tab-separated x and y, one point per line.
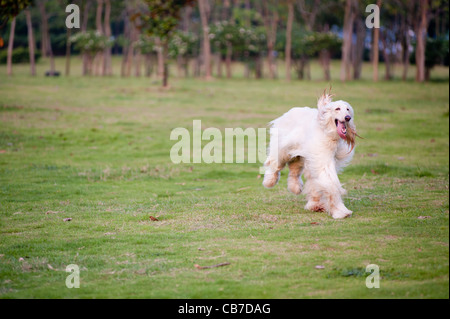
10	47
85	56
347	40
358	49
107	68
68	47
98	60
421	30
46	46
288	47
270	17
9	9
44	28
30	42
202	5
375	48
309	15
160	20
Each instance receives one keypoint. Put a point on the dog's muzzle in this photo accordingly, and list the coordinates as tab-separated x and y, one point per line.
341	128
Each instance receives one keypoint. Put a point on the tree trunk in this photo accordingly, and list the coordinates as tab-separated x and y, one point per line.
218	59
47	46
30	42
347	41
179	65
288	47
107	68
375	48
325	58
186	67
228	60
300	68
165	63
148	65
10	47
270	24
387	58
85	56
258	67
309	16
206	43
98	60
427	74
137	66
132	36
421	40
69	32
160	70
129	57
358	50
405	48
44	28
126	33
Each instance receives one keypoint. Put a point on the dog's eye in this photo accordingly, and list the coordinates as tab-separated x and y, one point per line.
348	109
338	109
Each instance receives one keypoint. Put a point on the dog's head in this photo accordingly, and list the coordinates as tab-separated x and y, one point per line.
336	118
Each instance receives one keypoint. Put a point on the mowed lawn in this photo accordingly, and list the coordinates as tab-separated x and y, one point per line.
96	150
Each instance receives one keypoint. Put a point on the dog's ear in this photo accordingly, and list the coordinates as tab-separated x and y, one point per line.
324	99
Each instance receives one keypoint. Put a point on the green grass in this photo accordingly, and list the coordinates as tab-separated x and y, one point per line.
97	150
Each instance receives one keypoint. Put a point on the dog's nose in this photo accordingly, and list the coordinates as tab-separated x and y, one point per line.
348	118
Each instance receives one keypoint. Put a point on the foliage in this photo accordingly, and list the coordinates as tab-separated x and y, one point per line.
183	44
91	41
224	33
144	43
309	44
11	8
255	41
436	52
161	17
19	55
244	40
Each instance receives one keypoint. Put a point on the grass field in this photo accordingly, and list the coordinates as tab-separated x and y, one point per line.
97	150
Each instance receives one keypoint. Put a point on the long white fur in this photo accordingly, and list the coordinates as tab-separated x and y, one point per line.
307	140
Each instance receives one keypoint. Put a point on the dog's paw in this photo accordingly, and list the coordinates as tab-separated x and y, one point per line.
314	206
342	213
270	180
295	188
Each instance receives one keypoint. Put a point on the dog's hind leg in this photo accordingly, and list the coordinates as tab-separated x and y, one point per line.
294	182
272	174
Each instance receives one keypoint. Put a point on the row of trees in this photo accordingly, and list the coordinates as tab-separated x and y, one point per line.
210	32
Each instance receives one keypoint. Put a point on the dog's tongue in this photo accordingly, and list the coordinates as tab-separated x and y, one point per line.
341	130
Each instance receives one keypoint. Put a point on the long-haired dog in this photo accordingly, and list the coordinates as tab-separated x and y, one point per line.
317	143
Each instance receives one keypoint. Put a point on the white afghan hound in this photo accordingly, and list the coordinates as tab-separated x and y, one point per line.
317	143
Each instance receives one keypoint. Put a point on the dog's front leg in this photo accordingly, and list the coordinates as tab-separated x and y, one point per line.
337	207
324	191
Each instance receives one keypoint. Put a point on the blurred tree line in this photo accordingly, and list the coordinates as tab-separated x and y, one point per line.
204	37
